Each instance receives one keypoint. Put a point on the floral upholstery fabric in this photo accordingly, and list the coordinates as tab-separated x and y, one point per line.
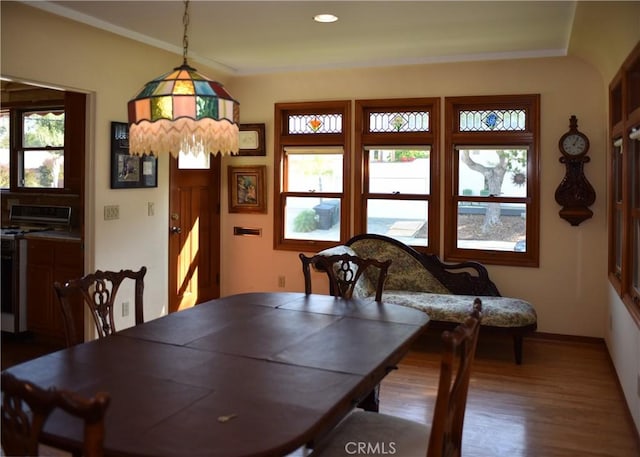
405	272
496	311
410	284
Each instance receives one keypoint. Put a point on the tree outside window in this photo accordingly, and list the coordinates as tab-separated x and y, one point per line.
42	149
4	149
492	215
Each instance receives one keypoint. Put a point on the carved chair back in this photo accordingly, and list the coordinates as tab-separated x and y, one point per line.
344	272
459	351
26	407
98	292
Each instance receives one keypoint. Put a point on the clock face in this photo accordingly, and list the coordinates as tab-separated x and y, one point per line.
574	144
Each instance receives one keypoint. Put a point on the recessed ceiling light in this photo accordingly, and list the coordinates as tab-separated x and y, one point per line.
325	18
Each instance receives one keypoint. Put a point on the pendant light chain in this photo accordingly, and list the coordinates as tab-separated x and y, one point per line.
183	112
185	38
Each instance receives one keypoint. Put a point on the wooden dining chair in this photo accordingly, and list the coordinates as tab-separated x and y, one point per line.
344	272
347	272
98	291
382	434
26	408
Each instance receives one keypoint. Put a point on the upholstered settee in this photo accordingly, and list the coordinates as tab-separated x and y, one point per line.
445	291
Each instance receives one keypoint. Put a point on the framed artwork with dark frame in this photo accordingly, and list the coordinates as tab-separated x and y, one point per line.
129	171
252	140
247	189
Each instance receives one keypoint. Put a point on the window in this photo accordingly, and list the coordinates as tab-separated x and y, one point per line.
616	226
397	172
491	179
40	146
42	140
311	175
38	138
5	150
187	161
634	212
624	190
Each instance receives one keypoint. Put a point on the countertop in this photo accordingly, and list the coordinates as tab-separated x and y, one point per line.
54	235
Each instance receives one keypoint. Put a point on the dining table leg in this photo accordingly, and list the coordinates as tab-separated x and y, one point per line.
372	401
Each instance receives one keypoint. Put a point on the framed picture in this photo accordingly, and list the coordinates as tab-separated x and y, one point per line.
130	171
252	140
247	191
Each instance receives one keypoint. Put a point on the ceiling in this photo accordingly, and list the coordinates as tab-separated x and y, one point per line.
253	37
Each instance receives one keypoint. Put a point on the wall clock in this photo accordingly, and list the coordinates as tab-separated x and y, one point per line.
575	194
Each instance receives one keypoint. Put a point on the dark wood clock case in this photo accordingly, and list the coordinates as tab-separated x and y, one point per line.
575	194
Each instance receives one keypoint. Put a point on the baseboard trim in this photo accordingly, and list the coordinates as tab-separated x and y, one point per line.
563	337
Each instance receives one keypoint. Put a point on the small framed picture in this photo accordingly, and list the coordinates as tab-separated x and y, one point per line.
247	189
129	171
252	140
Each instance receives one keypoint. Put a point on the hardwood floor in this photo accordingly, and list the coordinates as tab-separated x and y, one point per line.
563	401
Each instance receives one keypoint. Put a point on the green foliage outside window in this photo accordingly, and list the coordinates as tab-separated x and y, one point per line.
4	149
40	150
407	155
305	221
42	130
4	177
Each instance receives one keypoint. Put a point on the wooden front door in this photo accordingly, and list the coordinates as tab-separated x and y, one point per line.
194	234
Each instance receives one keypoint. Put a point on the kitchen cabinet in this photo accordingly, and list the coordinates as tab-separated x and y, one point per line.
49	261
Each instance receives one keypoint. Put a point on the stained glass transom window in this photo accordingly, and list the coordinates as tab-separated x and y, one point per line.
406	121
493	120
315	123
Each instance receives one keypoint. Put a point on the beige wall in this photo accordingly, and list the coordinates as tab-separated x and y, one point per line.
570	288
111	70
573	259
604	34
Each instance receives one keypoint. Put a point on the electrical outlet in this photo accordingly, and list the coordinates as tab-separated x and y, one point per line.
281	281
125	309
111	212
151	209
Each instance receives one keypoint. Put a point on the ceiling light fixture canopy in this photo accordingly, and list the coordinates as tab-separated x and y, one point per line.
183	110
326	18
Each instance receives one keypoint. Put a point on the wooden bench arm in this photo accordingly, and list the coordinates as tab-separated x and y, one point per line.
464	278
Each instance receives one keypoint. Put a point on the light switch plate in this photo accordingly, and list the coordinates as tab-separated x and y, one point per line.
111	212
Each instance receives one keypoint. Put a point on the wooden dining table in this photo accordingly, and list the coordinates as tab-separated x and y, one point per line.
256	374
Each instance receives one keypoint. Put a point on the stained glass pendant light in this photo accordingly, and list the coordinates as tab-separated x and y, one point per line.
183	110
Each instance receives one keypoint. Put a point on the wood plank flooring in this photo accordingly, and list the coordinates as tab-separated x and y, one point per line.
563	401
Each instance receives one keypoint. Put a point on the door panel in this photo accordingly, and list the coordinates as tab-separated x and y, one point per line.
194	235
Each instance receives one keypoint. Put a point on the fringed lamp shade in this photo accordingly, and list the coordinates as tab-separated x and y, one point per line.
183	111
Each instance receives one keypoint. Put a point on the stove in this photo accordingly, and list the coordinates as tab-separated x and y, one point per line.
13	232
32	218
23	219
